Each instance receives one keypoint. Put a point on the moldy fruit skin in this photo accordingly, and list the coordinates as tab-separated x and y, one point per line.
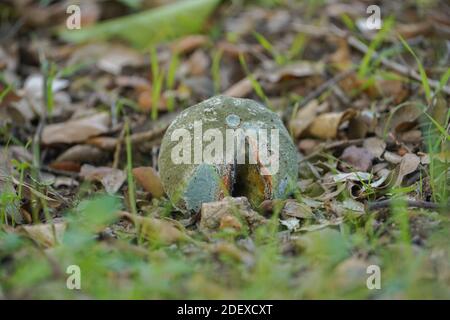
190	185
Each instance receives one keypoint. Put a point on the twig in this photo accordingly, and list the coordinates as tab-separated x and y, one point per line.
410	203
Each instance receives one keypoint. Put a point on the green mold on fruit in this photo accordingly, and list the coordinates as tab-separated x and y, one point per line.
227	146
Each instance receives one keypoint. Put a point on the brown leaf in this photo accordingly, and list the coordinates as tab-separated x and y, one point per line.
198	63
326	125
415	29
390	88
296	70
112	179
77	130
305	116
240	89
116	57
359	158
105	143
189	43
375	146
146	104
81	153
45	235
392	157
410	162
65	166
149	179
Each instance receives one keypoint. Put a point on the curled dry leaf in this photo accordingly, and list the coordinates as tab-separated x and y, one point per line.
45	235
326	125
77	130
305	116
111	179
401	119
410	162
149	179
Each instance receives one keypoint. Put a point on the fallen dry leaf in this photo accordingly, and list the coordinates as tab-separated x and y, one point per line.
392	157
358	158
189	43
149	179
117	57
326	125
410	162
45	235
305	116
81	153
112	179
77	130
375	146
296	70
240	89
146	104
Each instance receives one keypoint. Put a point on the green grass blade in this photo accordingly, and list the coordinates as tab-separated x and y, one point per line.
423	75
